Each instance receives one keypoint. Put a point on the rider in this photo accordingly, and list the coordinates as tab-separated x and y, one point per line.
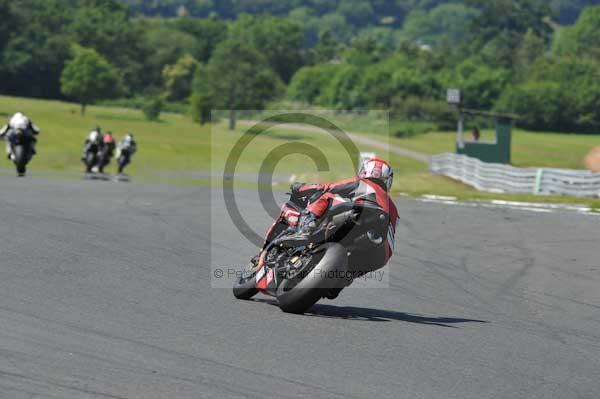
127	147
108	149
109	141
19	121
373	182
93	137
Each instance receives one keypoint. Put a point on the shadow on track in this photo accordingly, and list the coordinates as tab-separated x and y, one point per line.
369	314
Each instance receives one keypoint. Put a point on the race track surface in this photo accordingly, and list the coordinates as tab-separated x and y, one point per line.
105	292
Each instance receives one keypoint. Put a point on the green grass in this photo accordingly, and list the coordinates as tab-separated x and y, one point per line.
174	143
178	146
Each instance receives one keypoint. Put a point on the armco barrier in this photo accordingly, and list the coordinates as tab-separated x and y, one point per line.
509	179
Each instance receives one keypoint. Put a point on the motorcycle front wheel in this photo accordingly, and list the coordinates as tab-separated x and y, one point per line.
20	159
328	273
245	287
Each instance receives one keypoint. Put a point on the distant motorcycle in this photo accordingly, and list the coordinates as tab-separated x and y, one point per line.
104	157
125	150
21	145
91	156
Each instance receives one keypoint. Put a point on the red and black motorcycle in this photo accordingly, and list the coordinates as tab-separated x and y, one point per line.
299	272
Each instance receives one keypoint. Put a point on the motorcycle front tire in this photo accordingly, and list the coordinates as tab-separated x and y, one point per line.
20	159
326	275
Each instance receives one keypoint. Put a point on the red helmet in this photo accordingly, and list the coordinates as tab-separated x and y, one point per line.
377	169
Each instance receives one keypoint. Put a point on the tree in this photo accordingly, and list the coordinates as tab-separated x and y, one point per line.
530	50
481	84
88	77
559	94
6	18
451	21
237	77
37	47
178	78
280	40
581	38
357	12
207	34
105	26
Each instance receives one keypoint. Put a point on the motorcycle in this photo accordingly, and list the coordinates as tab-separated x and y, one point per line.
91	156
300	273
21	145
104	157
123	158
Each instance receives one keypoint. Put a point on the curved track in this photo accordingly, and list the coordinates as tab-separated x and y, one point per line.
105	292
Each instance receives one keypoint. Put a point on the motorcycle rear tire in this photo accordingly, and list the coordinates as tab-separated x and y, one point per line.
317	283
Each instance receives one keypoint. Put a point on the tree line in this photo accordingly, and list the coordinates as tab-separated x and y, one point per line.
508	55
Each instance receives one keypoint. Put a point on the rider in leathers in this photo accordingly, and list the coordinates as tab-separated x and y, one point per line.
373	182
19	121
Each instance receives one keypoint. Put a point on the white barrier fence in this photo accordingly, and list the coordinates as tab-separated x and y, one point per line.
508	179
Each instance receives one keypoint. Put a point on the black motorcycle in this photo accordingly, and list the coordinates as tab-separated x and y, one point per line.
21	146
124	159
301	272
104	157
91	156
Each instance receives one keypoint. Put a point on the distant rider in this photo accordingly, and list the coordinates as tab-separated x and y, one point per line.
19	121
93	138
125	150
107	150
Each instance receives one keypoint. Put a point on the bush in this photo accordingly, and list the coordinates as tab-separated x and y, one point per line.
152	108
309	82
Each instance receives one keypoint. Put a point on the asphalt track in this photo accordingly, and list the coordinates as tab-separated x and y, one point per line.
105	292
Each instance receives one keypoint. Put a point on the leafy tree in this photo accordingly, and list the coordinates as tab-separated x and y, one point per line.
451	21
308	83
280	40
513	17
326	49
559	94
481	84
357	12
202	100
207	34
105	26
178	78
152	108
581	38
89	77
6	18
237	77
339	92
169	44
530	50
34	55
